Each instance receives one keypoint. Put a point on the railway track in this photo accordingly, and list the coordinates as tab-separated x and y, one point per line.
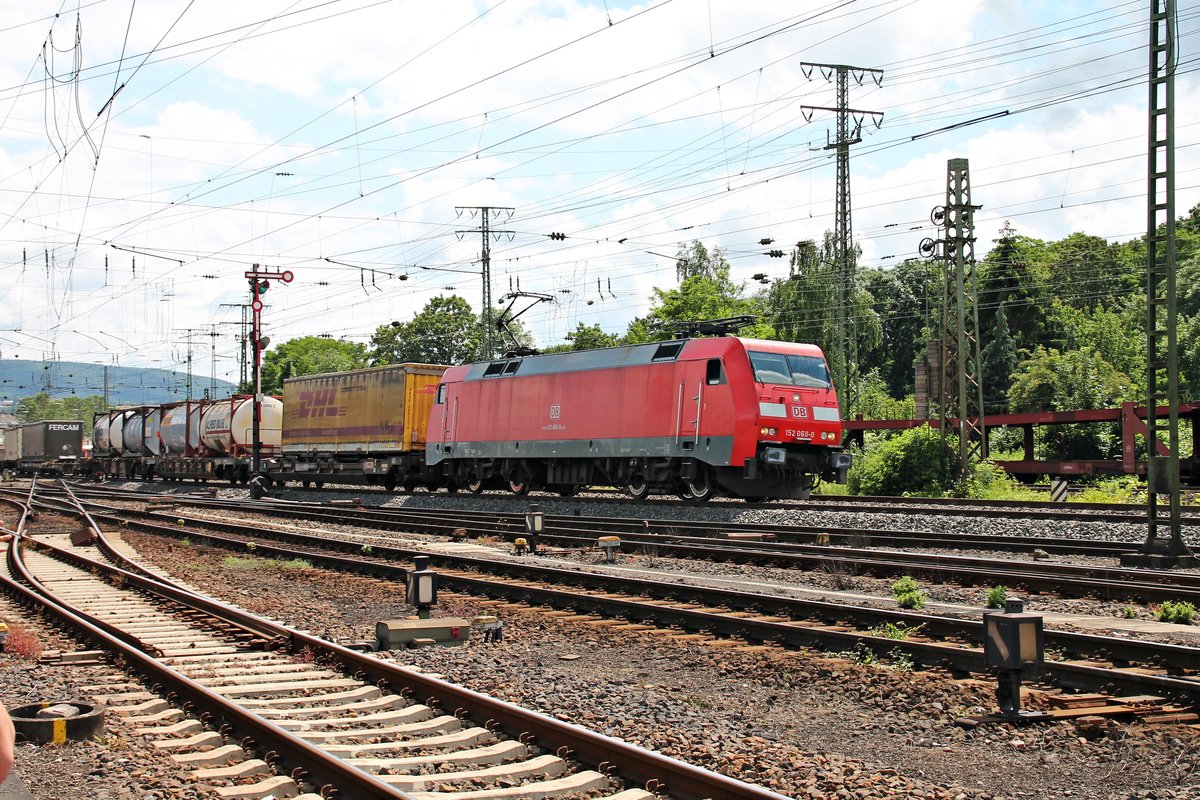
942	506
271	711
1084	661
1067	580
500	522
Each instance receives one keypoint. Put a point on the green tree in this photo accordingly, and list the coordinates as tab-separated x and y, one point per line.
1086	272
900	298
1075	380
42	406
445	331
309	355
1013	274
800	305
705	291
999	360
589	337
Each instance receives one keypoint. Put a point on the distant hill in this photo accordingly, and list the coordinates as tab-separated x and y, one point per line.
126	385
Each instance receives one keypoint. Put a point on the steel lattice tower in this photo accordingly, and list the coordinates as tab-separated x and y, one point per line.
1162	368
487	314
962	373
849	131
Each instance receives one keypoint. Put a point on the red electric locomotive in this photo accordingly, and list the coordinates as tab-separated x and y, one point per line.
697	417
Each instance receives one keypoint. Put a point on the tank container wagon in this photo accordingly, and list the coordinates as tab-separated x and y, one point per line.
358	427
695	417
192	439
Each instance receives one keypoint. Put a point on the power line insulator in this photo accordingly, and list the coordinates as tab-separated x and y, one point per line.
558	236
775	253
765	242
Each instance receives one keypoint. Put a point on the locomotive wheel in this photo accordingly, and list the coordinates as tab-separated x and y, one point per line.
306	484
753	499
570	490
699	488
474	484
389	483
518	487
638	488
451	488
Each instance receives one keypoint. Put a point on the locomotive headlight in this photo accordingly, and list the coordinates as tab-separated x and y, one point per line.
766	431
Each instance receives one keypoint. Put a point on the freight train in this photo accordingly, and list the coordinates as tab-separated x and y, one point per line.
694	417
51	447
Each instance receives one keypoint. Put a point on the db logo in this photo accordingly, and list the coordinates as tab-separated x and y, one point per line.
800	412
555	412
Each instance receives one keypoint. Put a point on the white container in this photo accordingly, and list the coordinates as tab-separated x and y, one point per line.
99	435
116	431
228	425
151	443
131	433
177	428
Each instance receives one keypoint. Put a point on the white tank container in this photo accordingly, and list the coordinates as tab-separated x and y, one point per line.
178	428
116	431
229	424
150	439
131	433
100	435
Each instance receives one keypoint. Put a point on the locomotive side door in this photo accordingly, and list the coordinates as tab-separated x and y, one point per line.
689	404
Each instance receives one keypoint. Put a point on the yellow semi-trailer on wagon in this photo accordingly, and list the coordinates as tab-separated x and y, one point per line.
366	426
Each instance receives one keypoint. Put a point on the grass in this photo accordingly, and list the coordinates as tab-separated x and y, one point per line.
995	596
238	562
895	630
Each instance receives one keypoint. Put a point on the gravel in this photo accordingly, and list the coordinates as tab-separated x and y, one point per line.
804	724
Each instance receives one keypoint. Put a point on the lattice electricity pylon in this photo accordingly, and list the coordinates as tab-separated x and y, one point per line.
486	215
962	368
849	131
1162	367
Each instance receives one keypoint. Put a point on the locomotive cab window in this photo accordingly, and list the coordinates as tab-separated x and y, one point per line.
493	369
790	370
715	372
441	394
512	367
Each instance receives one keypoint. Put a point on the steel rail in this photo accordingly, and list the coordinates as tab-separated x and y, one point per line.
970	659
445	521
940	506
280	745
652	770
1095	581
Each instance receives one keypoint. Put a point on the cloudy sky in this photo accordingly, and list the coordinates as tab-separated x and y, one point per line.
151	152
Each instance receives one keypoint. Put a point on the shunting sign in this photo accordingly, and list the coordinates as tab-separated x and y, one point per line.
1058	491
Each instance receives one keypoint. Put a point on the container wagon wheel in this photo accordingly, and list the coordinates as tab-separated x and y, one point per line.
451	488
474	483
518	487
638	487
570	490
699	488
389	483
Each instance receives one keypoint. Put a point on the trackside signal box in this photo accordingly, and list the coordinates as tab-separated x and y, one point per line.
396	634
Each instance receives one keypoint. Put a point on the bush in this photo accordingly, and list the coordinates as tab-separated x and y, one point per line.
1182	613
996	596
1128	612
22	643
905	585
915	462
908	593
988	482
